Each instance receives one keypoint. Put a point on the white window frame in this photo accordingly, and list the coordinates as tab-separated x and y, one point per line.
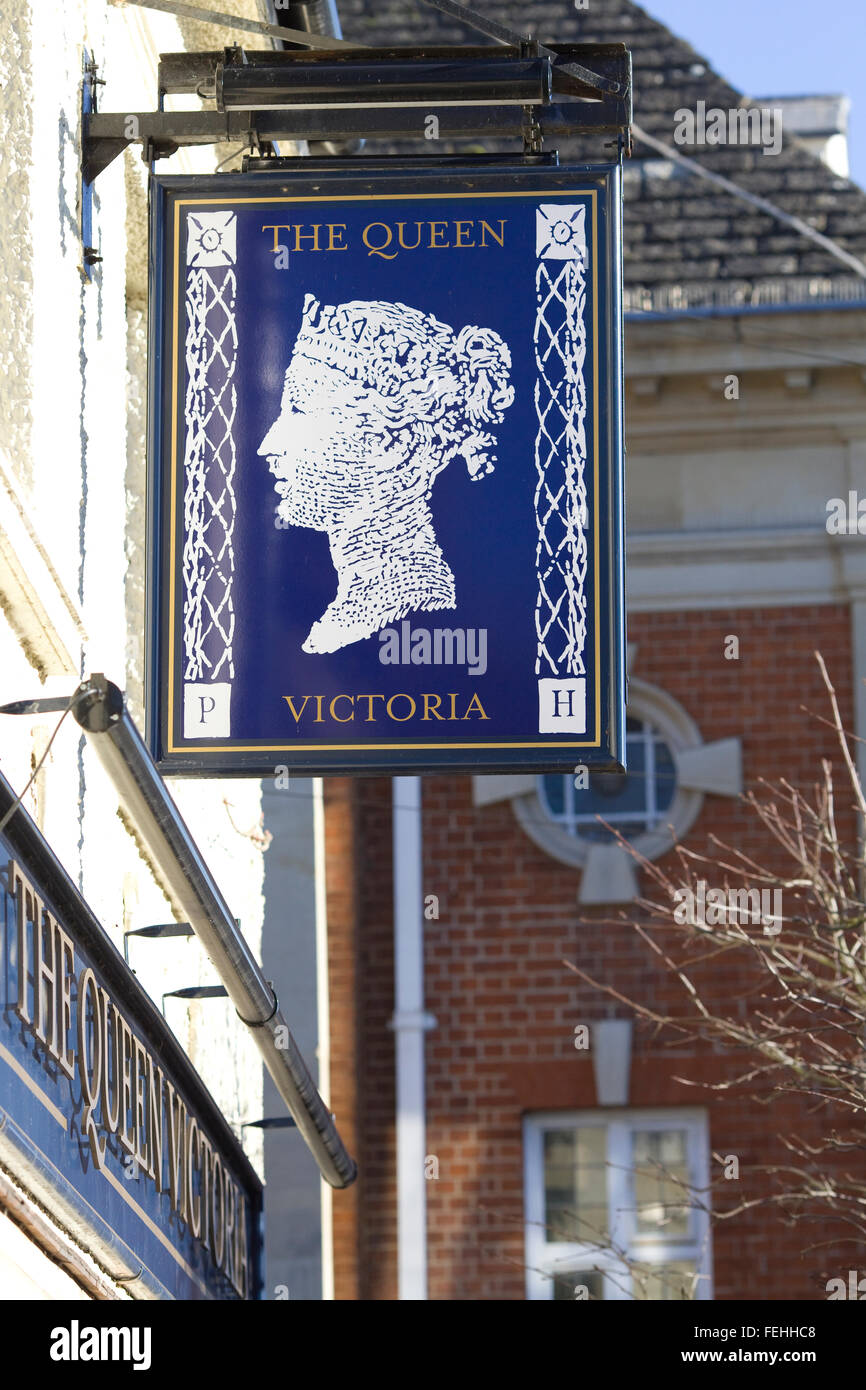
544	1258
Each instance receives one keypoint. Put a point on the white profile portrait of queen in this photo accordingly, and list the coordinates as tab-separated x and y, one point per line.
377	400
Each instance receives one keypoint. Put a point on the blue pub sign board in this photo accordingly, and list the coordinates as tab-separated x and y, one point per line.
103	1120
386	469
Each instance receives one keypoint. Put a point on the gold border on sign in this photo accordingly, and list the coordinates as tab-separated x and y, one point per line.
286	746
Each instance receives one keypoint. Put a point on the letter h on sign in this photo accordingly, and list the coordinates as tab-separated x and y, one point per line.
562	706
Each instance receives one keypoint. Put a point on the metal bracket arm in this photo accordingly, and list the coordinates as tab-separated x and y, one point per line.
476	93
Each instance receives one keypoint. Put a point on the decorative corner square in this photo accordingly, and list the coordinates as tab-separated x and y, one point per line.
560	232
562	705
211	238
207	709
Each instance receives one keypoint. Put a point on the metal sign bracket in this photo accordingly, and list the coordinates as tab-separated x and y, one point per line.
520	91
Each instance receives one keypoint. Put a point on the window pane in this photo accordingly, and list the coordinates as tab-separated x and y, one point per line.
659	1146
628	827
672	1146
564	1285
591	1143
633	802
665	1283
554	792
666	776
609	792
575	1184
660	1182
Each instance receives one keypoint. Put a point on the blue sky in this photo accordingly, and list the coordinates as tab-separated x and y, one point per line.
781	48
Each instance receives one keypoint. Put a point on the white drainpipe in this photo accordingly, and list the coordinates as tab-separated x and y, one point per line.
410	1023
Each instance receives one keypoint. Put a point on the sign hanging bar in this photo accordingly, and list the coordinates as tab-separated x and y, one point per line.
374	85
250	26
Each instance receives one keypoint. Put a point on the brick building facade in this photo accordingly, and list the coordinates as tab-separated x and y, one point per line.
506	1006
727	502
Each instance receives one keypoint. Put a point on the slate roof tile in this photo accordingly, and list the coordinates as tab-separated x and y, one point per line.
679	231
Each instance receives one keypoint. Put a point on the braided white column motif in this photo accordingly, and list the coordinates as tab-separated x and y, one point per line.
560	461
210	458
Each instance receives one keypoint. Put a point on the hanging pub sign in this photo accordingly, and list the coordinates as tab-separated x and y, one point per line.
104	1122
386	469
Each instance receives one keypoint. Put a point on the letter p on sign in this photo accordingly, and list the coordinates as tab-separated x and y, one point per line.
207	710
562	706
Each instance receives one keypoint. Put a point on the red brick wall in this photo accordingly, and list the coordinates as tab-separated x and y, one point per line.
506	1004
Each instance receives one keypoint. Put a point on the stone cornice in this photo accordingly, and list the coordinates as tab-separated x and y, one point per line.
764	567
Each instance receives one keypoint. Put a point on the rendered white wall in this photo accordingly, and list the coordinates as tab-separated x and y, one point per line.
72	416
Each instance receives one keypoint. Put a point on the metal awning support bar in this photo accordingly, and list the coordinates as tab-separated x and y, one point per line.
146	803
